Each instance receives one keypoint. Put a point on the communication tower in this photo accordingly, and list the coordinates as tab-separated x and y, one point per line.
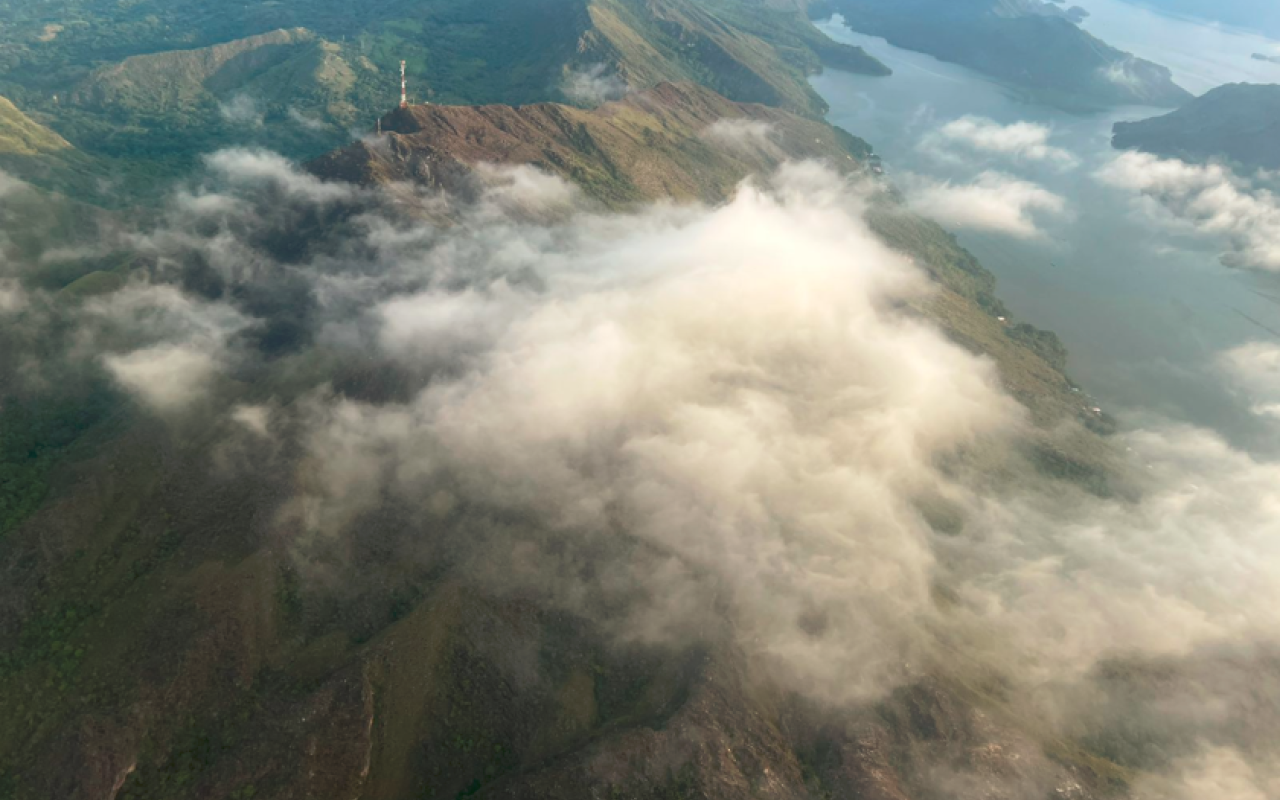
404	88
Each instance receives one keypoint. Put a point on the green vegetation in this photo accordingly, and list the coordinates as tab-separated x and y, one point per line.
20	135
35	433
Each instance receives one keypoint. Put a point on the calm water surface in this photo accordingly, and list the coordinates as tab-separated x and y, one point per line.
1144	311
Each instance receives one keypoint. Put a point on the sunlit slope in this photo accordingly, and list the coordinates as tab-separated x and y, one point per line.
676	140
22	136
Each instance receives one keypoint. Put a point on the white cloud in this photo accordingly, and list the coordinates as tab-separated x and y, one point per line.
256	419
1121	73
732	391
992	202
1217	773
1255	368
1209	199
743	134
1192	561
10	185
1022	141
168	377
242	110
592	85
524	190
158	342
246	168
12	296
724	424
307	122
726	413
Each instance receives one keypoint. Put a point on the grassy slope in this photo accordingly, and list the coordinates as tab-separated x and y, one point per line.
32	152
178	82
21	136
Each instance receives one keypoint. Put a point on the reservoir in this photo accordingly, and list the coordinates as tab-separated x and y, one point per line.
1145	308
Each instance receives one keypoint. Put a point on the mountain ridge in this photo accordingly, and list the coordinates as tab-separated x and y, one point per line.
646	146
1238	122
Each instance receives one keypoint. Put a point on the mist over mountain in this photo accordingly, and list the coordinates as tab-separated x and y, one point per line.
630	433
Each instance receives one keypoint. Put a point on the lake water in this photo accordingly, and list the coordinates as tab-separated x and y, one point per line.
1201	54
1144	312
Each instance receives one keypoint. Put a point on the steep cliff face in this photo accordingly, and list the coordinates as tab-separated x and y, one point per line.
1239	122
677	140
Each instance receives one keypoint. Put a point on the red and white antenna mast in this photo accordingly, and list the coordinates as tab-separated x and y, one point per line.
404	88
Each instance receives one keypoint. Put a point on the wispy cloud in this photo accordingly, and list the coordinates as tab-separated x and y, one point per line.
242	109
994	202
592	85
1208	199
1020	141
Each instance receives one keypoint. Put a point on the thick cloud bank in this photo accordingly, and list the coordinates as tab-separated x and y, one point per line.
692	423
734	392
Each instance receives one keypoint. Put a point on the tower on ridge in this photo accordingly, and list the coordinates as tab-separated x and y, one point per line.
404	88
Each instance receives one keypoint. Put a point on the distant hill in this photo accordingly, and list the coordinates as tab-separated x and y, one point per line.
1239	122
1030	44
177	80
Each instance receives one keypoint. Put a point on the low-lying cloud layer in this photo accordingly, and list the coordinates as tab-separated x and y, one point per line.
1208	199
993	202
961	138
693	423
